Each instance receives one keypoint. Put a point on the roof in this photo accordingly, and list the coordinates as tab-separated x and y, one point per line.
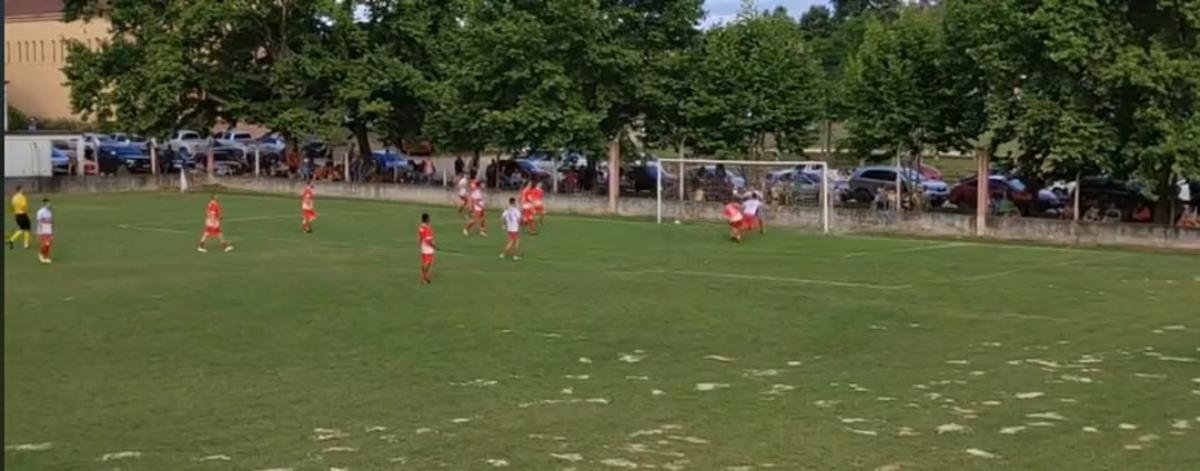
19	8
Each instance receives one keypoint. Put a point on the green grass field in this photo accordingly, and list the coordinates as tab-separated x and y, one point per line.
613	344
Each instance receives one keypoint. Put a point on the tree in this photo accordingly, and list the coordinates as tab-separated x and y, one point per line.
754	78
846	9
1111	88
301	67
905	91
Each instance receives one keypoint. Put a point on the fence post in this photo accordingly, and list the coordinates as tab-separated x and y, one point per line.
153	156
81	157
982	181
346	166
257	161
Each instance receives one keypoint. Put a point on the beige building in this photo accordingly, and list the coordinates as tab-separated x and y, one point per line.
35	48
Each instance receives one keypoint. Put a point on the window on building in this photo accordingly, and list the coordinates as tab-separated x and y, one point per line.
53	51
42	50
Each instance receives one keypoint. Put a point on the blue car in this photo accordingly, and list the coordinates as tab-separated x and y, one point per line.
390	159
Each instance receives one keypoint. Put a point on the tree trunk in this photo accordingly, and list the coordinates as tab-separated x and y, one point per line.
1166	196
614	172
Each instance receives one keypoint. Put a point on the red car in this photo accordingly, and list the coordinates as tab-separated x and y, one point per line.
964	193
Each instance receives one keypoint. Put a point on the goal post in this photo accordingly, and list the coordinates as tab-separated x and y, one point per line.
788	187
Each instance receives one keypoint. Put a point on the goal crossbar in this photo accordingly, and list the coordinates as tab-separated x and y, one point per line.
824	199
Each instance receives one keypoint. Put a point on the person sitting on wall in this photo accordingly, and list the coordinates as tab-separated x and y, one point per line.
1190	219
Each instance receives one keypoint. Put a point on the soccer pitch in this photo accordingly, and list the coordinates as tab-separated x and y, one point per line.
613	344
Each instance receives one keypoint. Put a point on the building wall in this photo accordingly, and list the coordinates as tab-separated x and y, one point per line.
34	54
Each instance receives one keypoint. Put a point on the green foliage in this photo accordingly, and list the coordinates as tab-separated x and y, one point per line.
16	117
1111	87
906	92
754	78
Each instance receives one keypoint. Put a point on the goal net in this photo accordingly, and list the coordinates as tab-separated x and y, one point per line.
794	193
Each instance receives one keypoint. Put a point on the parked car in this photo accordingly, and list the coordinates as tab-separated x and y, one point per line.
390	159
796	185
60	162
928	171
867	181
1104	194
92	141
271	145
127	140
644	177
189	141
113	157
963	195
239	139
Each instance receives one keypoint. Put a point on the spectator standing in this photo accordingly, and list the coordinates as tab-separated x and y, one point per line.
458	165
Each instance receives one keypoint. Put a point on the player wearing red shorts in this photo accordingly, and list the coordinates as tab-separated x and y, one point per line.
538	208
478	204
512	224
212	226
45	230
428	248
308	209
527	207
733	212
750	213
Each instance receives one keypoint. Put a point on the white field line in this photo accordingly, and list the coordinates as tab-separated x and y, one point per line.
1012	271
805	281
921	248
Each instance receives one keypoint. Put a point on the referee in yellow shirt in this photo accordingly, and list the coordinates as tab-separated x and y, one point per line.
20	208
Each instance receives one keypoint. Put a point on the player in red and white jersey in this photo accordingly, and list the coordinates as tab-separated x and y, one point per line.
538	208
478	204
733	212
428	248
45	219
212	225
308	209
512	224
526	198
751	210
463	186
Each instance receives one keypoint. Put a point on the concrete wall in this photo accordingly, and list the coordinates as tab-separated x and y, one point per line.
27	156
85	185
844	220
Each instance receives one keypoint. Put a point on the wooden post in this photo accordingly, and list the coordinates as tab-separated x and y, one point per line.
209	163
80	157
1078	190
614	173
154	156
982	195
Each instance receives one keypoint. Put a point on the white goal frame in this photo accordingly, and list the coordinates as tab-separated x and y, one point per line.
825	199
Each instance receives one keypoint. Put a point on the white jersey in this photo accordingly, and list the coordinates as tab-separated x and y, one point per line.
463	185
477	200
512	219
750	207
45	221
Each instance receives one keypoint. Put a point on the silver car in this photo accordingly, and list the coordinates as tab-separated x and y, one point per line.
867	182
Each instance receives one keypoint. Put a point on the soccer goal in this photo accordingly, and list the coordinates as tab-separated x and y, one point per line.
795	191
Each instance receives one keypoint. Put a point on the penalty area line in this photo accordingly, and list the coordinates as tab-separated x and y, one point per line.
920	248
803	281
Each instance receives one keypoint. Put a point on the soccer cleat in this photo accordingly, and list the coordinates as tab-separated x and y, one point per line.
483	233
466	233
10	245
201	250
43	259
515	258
229	248
501	256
